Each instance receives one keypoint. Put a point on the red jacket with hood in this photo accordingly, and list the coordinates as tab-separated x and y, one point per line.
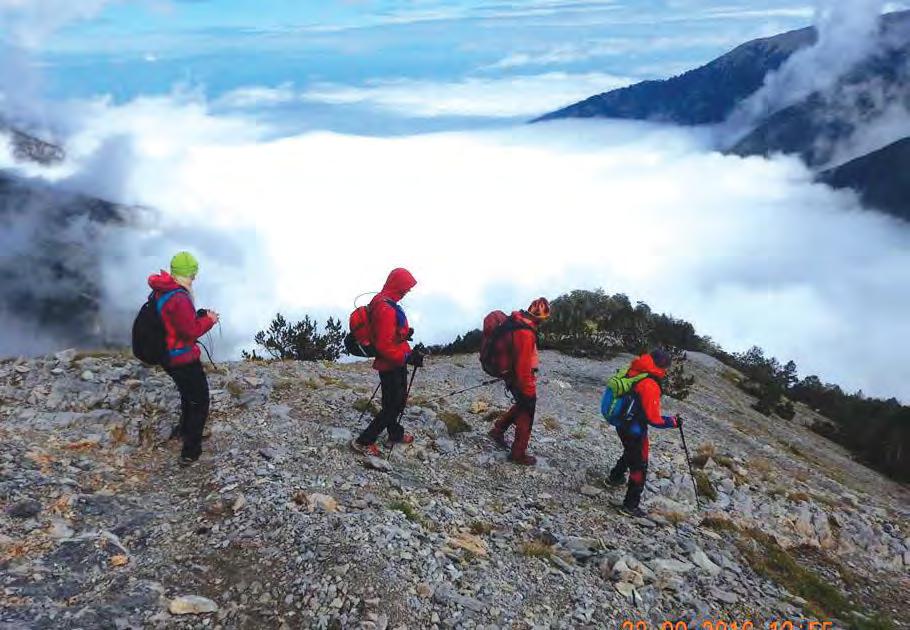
181	324
389	324
648	392
525	356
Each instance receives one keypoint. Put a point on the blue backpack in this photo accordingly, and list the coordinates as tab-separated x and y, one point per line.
616	403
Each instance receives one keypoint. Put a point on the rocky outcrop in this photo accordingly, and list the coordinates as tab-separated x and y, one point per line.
281	525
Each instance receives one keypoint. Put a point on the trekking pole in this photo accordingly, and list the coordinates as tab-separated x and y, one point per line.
404	407
208	354
689	461
367	406
467	389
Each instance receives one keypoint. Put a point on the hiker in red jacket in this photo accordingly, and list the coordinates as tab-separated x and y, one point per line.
390	336
633	434
183	326
522	384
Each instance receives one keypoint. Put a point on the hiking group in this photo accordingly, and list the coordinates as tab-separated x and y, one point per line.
167	330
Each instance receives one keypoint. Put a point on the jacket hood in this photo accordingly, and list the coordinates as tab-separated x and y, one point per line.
645	364
163	282
399	282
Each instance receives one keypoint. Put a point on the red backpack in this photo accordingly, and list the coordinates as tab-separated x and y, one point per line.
359	342
496	357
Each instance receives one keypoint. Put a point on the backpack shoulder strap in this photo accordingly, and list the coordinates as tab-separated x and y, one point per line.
159	304
638	377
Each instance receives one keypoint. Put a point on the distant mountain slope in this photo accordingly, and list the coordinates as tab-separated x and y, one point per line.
29	148
881	178
49	275
702	96
709	94
815	127
820	129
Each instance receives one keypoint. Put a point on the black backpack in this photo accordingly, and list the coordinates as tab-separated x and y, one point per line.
149	336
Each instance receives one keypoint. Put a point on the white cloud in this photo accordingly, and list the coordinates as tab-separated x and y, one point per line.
516	96
750	250
846	36
805	12
574	52
30	22
259	96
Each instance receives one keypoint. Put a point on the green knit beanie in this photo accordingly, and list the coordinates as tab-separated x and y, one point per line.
184	265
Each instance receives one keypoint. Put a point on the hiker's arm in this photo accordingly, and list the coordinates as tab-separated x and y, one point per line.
186	323
523	347
384	327
649	394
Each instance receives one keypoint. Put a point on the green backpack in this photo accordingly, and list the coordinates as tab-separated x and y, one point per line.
614	404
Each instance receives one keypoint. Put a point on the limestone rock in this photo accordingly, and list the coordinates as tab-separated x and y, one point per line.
191	605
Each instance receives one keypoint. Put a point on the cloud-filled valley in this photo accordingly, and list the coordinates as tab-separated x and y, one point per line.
751	250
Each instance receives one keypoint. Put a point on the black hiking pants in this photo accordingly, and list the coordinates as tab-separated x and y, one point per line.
194	405
634	459
394	384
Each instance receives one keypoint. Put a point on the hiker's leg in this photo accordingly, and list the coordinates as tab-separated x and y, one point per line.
622	464
506	420
637	455
197	411
396	431
177	429
524	422
389	385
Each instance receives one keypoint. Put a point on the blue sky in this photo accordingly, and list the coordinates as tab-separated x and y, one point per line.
319	52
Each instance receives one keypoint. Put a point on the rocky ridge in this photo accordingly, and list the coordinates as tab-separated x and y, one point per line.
280	525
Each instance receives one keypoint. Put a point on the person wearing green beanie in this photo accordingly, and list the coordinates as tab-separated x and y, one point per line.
184	265
183	326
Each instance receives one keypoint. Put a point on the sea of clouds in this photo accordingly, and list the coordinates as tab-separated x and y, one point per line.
751	250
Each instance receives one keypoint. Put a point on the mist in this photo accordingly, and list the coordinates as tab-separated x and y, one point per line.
752	251
847	34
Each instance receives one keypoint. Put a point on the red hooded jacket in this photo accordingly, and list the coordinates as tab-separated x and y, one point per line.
525	355
648	391
181	325
388	322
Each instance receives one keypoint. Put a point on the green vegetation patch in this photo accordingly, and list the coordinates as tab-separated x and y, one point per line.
771	561
537	549
454	422
481	528
409	511
365	404
704	485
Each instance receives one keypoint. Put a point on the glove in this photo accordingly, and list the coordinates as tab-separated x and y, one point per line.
410	336
415	359
679	421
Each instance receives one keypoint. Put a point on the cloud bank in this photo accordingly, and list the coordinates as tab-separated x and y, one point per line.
486	97
750	250
847	35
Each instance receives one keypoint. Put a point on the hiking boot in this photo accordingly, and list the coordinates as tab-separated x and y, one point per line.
370	450
186	461
634	512
406	439
616	481
523	460
499	439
